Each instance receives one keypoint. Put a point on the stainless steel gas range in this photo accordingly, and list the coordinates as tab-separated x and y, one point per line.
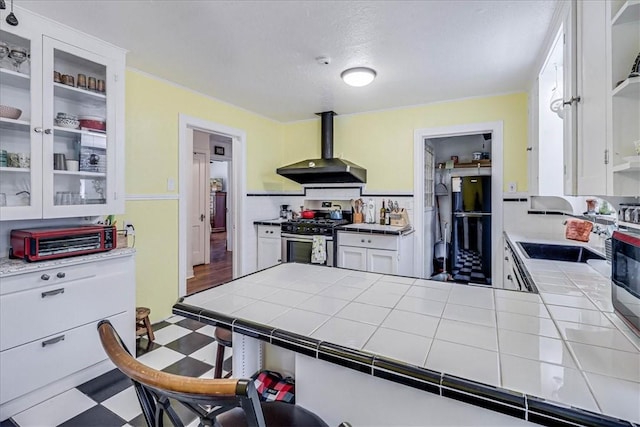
304	239
298	238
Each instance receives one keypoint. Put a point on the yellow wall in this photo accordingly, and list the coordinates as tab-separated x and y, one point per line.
382	142
152	117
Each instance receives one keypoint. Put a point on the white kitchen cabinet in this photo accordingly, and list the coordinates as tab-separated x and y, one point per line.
48	316
623	95
585	97
269	246
509	281
33	188
376	253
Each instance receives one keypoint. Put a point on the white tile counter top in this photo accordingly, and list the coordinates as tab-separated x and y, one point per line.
275	221
563	345
9	267
376	228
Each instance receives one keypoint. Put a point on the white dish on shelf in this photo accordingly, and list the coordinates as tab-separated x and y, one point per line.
632	159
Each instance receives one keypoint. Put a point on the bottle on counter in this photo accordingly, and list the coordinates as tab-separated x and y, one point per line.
387	215
382	214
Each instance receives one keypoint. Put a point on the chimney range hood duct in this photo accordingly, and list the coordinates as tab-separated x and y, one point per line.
326	170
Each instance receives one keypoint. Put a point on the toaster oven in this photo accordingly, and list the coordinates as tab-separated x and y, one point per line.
625	277
38	244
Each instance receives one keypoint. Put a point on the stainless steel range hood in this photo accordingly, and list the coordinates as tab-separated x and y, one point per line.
326	170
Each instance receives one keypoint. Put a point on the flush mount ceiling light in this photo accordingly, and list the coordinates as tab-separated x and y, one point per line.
359	76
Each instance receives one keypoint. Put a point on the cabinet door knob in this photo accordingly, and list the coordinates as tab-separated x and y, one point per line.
48	131
61	275
45	277
509	277
38	130
572	100
506	258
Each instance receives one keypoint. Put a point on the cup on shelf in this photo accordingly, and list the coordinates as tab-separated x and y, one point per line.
72	165
59	161
12	160
92	85
82	81
57	77
24	160
101	86
68	80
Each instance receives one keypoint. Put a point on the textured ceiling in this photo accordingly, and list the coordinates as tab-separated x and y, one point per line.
260	55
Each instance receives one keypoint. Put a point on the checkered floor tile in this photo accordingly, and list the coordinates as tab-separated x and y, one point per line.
182	346
468	268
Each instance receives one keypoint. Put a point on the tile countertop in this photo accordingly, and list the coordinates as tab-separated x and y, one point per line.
276	221
10	267
563	345
376	229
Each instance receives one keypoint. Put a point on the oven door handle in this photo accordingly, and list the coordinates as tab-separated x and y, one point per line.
302	237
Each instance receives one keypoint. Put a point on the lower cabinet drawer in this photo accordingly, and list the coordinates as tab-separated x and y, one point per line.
35	313
368	240
38	363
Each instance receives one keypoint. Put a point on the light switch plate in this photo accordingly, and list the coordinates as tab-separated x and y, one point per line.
512	187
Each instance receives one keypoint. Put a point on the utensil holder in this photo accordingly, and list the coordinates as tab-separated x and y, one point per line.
357	218
399	219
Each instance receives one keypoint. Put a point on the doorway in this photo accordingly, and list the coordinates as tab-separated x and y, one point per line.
462	214
211	262
236	194
424	215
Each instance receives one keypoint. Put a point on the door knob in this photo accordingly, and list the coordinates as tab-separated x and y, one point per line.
38	130
201	217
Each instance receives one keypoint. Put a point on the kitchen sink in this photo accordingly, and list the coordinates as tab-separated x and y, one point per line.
568	253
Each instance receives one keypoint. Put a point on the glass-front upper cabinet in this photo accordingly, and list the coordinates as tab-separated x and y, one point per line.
79	152
20	112
61	123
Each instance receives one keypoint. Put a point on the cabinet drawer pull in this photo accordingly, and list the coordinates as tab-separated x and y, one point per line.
362	241
60	275
368	241
53	292
53	340
45	277
48	131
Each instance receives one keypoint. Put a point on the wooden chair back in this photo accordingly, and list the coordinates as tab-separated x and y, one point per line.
206	398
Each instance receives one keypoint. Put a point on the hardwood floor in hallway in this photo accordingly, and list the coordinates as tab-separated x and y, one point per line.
218	271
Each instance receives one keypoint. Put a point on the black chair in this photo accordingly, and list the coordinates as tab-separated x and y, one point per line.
216	402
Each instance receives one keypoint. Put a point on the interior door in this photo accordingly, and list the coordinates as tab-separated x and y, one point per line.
199	206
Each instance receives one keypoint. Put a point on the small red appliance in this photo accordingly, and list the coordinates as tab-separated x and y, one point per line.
38	244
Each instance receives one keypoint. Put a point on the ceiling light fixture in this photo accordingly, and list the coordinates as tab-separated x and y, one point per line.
359	76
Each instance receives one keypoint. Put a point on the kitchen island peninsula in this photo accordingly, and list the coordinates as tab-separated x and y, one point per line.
391	350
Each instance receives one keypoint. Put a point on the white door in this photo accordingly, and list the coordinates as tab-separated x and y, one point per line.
199	230
381	261
352	257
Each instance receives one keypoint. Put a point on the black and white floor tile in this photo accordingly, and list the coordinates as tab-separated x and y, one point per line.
468	268
182	346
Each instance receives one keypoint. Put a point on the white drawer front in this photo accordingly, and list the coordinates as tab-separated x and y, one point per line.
269	231
367	240
30	315
60	274
31	366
